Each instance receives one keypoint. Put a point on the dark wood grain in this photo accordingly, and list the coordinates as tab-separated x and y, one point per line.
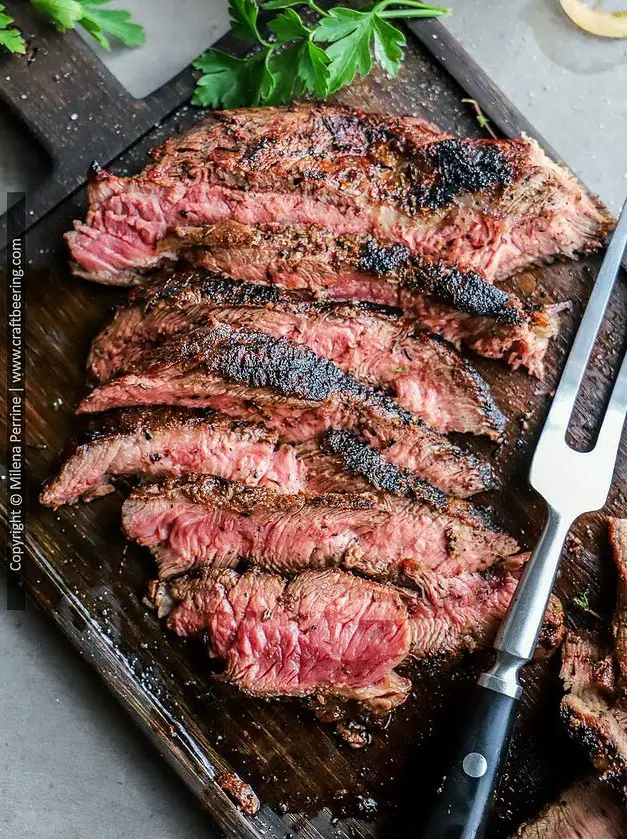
82	575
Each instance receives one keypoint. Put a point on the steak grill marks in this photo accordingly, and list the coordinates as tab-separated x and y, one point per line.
459	305
349	172
295	392
209	522
428	376
169	442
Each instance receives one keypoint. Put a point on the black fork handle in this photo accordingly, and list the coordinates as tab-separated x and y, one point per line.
467	795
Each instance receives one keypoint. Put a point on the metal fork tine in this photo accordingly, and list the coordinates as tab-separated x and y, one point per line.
611	430
564	399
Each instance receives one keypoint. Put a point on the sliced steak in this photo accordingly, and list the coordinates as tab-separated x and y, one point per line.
295	392
458	304
426	374
593	670
594	717
460	613
210	522
618	541
163	442
496	205
587	810
343	462
322	633
330	633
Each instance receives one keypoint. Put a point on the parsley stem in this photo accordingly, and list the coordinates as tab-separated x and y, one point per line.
414	4
433	11
317	8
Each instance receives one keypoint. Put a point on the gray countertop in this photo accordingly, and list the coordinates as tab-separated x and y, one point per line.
71	765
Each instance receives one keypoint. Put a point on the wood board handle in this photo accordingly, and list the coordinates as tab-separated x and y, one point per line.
74	107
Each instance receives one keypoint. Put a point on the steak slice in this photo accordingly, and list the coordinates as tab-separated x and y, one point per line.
618	541
171	442
207	521
587	810
593	717
460	613
330	633
458	304
496	205
343	462
324	633
426	374
295	392
593	670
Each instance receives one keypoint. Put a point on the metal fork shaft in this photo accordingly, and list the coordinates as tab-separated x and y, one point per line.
516	640
579	356
612	426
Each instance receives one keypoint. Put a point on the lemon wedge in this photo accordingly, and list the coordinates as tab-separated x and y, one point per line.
594	21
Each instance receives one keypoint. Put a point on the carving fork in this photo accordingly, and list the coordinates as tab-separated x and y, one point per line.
571	483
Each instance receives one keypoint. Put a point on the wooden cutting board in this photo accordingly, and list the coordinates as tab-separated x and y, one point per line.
81	574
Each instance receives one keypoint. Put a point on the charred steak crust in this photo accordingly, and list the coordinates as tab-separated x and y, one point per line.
495	204
163	418
465	290
218	492
358	458
426	171
365	340
294	372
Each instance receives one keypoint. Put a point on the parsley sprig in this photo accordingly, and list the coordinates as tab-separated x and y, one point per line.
10	37
298	56
102	24
582	601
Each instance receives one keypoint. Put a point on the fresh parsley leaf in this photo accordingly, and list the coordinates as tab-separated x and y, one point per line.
67	14
309	62
313	70
10	37
225	80
288	26
229	82
349	33
317	59
284	65
388	46
114	22
261	79
244	15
